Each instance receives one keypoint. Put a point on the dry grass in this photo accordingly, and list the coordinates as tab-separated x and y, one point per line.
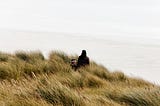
28	79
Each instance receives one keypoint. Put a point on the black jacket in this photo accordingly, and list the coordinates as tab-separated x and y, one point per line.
82	61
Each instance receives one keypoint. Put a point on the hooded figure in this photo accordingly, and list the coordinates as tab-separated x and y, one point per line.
83	60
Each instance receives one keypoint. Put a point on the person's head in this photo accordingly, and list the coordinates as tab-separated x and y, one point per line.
84	53
73	62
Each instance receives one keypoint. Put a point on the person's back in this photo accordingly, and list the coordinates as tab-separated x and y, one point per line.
83	59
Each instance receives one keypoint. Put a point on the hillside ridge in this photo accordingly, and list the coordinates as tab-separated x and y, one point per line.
29	79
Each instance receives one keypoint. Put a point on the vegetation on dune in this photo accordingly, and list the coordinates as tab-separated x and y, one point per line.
28	79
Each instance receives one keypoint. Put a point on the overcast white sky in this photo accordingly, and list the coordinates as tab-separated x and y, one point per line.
105	17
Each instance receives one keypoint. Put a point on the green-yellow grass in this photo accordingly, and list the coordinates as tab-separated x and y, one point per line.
28	79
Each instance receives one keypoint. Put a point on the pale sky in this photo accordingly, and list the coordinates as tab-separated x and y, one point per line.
103	17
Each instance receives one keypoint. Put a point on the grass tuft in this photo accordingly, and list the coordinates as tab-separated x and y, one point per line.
28	79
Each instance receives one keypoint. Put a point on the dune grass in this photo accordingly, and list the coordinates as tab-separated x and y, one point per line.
28	79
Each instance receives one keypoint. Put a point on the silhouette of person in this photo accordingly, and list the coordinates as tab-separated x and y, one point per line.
83	60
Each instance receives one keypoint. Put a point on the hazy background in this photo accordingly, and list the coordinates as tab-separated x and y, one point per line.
120	34
108	17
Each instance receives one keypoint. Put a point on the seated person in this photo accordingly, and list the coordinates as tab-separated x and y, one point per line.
73	63
83	60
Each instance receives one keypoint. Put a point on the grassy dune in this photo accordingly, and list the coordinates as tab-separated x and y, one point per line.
28	79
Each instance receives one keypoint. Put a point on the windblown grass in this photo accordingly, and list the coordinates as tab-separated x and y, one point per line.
28	79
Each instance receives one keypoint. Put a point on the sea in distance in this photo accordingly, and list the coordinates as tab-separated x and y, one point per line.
135	56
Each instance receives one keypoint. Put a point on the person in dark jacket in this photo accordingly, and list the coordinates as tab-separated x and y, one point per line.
83	60
73	64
